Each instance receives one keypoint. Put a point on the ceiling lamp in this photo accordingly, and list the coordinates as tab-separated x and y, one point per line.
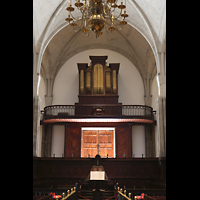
97	15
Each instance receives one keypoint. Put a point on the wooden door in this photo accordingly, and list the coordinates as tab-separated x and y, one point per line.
106	143
92	138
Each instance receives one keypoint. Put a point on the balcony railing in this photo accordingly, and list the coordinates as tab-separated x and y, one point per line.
101	110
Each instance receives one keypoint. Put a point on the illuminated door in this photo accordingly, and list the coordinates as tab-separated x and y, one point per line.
94	140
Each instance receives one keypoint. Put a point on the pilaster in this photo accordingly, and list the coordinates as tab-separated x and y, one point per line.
161	125
36	124
49	91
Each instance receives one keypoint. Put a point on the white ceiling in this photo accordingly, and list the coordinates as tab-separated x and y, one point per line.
140	40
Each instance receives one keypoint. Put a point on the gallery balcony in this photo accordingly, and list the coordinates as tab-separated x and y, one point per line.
98	113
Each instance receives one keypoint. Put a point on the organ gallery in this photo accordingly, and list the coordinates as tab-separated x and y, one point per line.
98	125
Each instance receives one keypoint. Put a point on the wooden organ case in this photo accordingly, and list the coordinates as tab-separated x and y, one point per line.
98	88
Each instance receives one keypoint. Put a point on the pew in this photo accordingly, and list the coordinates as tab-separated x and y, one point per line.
139	175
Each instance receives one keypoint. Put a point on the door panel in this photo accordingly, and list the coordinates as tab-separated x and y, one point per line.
91	139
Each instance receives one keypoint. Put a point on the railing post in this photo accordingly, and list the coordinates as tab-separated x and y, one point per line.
63	195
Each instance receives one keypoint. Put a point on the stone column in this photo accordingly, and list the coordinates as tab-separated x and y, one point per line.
161	125
36	124
161	106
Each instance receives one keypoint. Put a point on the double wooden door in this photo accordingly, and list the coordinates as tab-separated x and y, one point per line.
97	140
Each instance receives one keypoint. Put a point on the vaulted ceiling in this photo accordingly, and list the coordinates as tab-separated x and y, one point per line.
140	40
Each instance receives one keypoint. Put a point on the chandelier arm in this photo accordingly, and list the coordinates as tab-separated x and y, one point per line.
118	15
104	10
77	27
113	8
76	19
119	26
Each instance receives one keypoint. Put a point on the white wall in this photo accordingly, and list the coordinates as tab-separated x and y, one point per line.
58	140
66	85
138	141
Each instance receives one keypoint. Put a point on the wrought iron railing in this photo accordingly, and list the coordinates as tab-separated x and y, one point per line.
102	110
54	110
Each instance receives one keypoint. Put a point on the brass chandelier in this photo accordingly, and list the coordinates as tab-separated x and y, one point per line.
97	15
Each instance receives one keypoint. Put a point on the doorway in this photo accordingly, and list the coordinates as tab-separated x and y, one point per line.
98	140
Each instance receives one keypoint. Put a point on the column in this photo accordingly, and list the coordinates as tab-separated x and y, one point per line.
161	105
36	124
161	125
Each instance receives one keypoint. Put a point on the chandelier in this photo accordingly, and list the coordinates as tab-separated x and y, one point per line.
97	15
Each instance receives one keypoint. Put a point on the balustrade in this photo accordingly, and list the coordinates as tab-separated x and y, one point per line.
102	110
59	110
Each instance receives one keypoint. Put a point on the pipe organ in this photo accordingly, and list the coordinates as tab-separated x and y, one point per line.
98	78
